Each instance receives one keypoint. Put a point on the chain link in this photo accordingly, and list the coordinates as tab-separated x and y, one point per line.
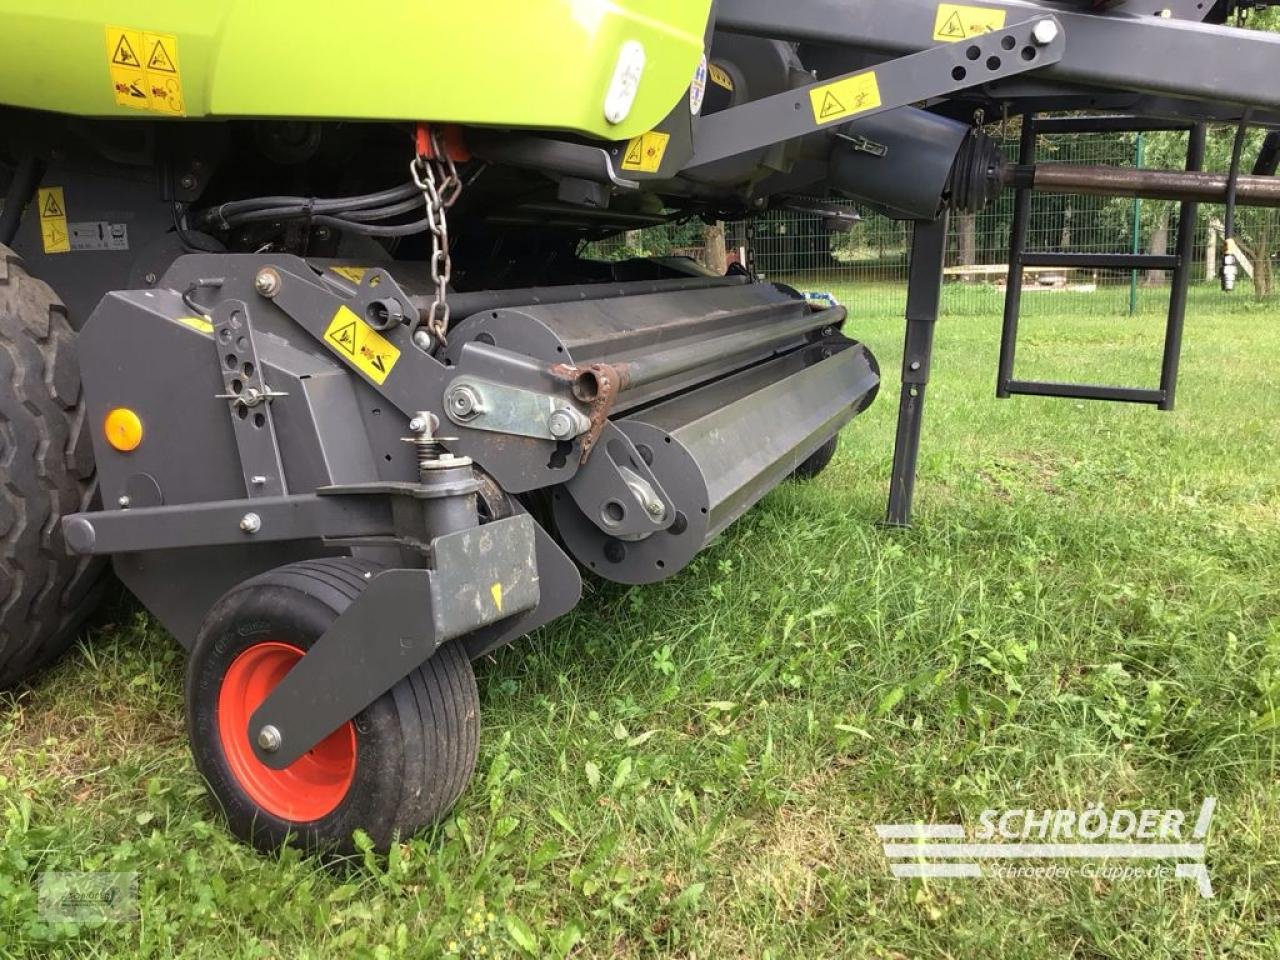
440	184
751	248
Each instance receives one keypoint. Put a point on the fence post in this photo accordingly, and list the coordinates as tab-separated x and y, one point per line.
1137	231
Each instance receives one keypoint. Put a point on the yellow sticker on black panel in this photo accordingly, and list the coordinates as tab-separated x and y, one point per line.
645	152
845	98
145	70
956	22
360	345
719	76
51	205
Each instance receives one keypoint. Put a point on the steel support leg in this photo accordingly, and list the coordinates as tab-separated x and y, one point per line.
1187	214
1017	246
924	292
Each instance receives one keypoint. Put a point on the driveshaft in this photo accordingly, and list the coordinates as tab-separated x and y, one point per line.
1107	181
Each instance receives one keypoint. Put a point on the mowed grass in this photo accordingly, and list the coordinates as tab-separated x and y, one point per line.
1086	611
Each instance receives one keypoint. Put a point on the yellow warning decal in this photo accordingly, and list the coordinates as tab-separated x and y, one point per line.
145	71
360	345
52	206
496	592
645	152
956	22
719	76
354	274
197	323
845	98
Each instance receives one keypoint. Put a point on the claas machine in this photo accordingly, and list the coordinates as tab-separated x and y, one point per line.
296	328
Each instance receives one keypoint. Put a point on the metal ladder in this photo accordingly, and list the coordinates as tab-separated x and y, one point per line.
1179	262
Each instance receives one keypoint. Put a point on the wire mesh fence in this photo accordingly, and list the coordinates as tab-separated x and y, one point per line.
866	266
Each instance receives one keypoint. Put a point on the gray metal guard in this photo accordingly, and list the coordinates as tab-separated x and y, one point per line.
483	575
417	381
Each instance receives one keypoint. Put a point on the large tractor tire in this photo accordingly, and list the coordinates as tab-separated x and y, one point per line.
46	472
398	766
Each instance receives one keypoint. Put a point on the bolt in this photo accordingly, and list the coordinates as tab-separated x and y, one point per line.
269	739
1044	32
915	365
464	402
251	523
187	182
123	503
560	425
417	424
150	278
655	508
258	481
267	282
422	340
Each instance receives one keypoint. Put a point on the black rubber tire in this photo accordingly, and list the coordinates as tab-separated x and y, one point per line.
817	461
416	745
46	472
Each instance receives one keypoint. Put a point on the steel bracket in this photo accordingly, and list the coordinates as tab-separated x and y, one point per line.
248	400
502	408
618	491
482	576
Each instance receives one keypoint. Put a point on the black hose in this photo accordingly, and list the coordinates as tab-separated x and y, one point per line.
26	177
299	212
375	230
193	242
224	214
1233	177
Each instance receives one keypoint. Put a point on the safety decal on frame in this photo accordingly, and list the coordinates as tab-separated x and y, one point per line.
145	71
360	345
354	274
720	77
845	98
645	152
956	22
52	206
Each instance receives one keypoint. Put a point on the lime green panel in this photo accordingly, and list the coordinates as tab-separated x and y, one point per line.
528	63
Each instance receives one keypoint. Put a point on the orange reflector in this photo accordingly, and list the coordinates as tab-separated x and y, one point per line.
123	429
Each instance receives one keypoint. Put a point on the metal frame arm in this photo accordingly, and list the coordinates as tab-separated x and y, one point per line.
940	71
1153	55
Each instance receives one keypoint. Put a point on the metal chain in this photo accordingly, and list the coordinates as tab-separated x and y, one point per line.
751	248
440	184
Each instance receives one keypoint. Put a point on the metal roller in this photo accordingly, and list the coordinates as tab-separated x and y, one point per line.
719	449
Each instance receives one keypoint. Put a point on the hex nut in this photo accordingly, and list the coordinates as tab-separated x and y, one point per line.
1044	32
269	739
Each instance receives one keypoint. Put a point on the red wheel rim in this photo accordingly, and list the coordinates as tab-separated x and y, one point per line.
314	784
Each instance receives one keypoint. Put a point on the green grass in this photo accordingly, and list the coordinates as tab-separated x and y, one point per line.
1088	609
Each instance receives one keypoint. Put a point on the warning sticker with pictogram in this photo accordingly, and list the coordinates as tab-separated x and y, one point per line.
360	345
956	22
160	58
354	274
52	207
645	152
720	77
845	98
145	71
